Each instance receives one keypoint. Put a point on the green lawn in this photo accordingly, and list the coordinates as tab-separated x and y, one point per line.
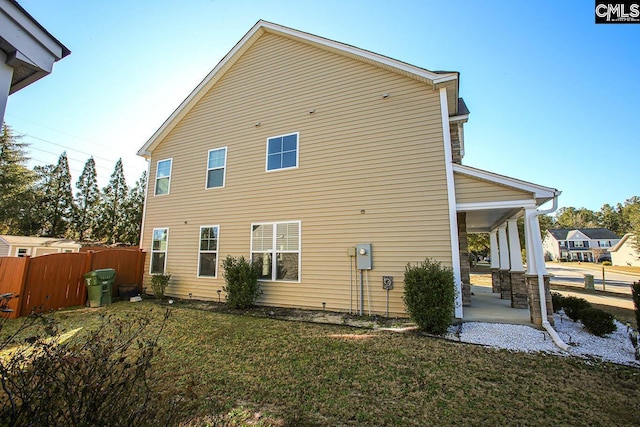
309	374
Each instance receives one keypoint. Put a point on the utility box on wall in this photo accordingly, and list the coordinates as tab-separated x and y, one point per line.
363	256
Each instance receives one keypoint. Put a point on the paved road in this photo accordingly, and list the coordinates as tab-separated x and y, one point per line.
573	274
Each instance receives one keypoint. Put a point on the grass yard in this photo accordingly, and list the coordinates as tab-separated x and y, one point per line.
326	375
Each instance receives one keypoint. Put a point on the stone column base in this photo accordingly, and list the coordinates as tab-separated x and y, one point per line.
466	294
495	280
534	299
505	284
518	290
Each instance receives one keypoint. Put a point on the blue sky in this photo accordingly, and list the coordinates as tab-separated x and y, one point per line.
554	98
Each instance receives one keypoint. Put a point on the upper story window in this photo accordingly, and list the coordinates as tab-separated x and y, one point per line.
604	243
216	167
282	152
562	243
163	177
159	246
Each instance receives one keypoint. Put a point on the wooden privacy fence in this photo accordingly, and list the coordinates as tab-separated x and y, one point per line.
57	280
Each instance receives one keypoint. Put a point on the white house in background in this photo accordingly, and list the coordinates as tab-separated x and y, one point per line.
625	252
582	244
27	50
21	246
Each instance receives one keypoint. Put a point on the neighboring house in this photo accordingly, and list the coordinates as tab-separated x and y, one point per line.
324	163
20	246
27	51
583	244
625	252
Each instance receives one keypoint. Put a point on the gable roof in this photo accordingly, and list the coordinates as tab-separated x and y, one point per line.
432	78
541	193
592	233
38	241
627	237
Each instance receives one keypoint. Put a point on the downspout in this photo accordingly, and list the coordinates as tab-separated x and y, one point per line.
540	271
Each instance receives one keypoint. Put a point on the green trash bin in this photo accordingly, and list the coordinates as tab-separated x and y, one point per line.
588	282
94	289
106	277
99	286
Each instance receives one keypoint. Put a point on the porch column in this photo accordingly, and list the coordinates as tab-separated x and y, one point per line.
518	284
495	261
534	251
465	266
6	73
505	266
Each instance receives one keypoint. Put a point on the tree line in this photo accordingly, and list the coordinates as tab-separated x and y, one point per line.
41	202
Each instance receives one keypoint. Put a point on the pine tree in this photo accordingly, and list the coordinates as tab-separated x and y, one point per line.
86	203
114	196
16	180
57	206
133	211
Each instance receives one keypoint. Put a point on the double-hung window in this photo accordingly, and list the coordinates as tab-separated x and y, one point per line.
275	248
282	152
208	252
216	167
163	177
159	250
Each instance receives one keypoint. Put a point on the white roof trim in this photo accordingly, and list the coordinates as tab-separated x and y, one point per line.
509	204
539	191
261	25
622	241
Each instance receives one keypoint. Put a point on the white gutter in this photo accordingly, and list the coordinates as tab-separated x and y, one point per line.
533	226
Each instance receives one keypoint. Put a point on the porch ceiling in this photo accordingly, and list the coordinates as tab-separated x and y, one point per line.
483	221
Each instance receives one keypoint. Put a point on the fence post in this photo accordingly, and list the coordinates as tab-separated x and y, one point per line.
87	268
140	269
21	290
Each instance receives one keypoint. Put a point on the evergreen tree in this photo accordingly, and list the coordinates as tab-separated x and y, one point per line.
611	218
112	216
86	203
133	211
16	180
57	198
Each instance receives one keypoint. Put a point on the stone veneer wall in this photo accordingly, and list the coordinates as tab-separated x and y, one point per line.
495	280
505	284
518	290
465	267
534	299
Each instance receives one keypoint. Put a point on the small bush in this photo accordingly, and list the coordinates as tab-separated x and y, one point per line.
96	378
242	287
597	322
159	283
429	295
557	300
573	306
607	263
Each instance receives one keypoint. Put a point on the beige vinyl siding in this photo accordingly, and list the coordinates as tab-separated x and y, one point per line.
4	248
357	151
472	190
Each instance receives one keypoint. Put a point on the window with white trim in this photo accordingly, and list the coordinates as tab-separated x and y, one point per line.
216	167
208	251
159	245
282	152
163	177
275	248
22	252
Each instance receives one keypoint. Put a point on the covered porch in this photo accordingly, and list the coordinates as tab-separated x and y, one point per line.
492	203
